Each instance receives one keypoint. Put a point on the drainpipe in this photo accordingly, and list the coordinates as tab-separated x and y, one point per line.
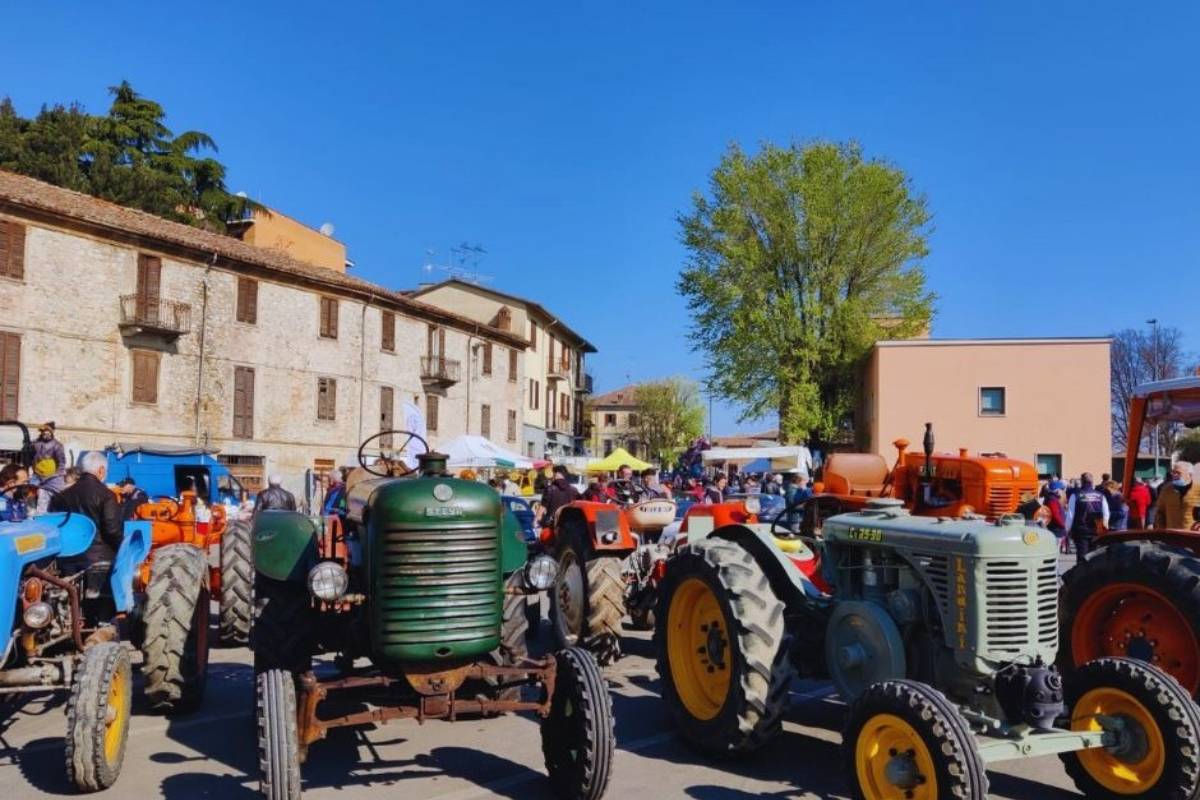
362	363
212	262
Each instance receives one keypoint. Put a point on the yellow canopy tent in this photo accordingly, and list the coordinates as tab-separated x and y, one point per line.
614	460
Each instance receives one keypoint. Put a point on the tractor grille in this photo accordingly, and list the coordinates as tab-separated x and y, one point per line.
936	570
1021	610
437	591
1001	500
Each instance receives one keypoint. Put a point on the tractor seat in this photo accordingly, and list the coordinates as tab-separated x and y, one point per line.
855	473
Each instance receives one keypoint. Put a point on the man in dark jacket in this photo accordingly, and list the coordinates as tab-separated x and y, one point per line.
1087	514
90	497
275	497
559	492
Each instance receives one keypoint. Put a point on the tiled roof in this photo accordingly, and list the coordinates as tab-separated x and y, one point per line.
617	397
28	193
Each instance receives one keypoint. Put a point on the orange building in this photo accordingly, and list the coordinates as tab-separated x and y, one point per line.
1045	401
271	230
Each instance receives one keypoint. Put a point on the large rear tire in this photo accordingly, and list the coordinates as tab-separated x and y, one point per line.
175	649
1138	600
237	582
578	738
98	717
278	739
722	649
588	602
1159	752
281	634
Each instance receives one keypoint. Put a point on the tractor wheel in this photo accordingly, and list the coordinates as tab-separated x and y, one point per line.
281	634
175	650
278	739
237	583
1158	755
588	602
98	717
722	654
513	627
1135	599
578	738
905	739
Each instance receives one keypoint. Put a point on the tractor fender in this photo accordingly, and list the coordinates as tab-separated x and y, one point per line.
514	551
135	547
1184	540
602	521
285	544
788	582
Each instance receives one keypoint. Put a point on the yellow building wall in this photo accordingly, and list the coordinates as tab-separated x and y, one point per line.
1056	399
275	231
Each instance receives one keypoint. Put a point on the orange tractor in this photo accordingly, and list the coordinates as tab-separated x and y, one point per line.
1138	593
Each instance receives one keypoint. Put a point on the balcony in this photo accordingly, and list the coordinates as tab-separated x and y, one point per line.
558	371
583	382
165	318
440	371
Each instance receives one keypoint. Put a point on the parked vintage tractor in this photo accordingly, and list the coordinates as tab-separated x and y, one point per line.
941	635
425	582
1138	593
59	632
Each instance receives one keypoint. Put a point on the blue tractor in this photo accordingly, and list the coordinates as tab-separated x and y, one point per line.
58	632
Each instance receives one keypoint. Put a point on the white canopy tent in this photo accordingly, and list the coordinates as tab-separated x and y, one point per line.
480	453
782	458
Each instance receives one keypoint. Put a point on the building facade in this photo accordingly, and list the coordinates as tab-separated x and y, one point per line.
1045	401
124	327
615	422
554	375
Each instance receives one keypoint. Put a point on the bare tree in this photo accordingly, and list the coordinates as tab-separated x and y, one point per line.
1138	357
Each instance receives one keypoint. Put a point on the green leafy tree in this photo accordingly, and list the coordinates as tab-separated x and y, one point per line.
799	259
1189	447
670	415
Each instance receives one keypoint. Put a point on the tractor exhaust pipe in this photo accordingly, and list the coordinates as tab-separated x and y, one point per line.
928	443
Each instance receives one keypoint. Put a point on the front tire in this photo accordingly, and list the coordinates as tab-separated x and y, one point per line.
175	648
722	655
905	739
281	635
278	739
98	717
588	602
578	737
237	583
1159	752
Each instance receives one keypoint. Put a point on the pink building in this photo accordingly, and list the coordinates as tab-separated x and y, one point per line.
1045	401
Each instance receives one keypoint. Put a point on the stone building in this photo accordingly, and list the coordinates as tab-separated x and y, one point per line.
122	326
615	422
556	381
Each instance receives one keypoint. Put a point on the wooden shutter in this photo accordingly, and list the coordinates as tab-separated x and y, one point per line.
431	412
512	425
386	414
326	398
389	332
149	284
329	317
10	375
487	358
512	365
485	421
145	375
441	343
243	402
533	336
12	250
247	300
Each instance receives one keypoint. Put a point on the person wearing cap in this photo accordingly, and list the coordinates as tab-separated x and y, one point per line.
46	446
275	497
131	497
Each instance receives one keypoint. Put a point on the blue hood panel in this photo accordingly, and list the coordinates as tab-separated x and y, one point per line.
134	549
22	543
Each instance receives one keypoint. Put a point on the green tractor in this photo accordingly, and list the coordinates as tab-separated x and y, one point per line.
941	635
424	579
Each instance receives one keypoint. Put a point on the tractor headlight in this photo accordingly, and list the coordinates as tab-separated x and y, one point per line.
328	581
541	572
753	505
37	615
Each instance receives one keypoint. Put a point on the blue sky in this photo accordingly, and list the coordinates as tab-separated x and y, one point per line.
1056	142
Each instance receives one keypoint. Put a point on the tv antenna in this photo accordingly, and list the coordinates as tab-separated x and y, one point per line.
464	261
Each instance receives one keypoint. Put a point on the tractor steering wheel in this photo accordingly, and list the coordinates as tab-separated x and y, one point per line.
390	464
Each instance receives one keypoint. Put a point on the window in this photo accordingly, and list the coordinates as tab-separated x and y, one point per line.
387	339
512	365
608	447
243	403
326	398
485	421
503	319
633	421
533	336
610	421
10	375
145	375
435	342
247	300
991	401
1049	465
329	318
564	407
550	354
386	411
431	412
487	358
149	281
535	396
512	425
12	250
549	410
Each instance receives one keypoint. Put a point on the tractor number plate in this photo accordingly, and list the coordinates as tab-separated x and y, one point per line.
866	534
444	511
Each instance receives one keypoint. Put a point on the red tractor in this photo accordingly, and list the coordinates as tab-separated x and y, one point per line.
1138	593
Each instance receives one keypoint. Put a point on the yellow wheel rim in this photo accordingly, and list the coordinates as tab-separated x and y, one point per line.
1130	773
893	762
116	715
698	648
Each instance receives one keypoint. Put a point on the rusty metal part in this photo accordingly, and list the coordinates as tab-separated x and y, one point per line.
105	633
434	681
446	705
73	593
40	676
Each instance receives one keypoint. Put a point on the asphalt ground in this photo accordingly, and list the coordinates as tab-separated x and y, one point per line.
211	753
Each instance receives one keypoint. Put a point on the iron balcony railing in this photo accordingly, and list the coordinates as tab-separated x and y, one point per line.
147	315
442	370
583	382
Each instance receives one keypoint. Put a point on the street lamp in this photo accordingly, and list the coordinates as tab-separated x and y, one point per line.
1153	323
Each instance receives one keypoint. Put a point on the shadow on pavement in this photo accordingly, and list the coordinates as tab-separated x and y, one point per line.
498	775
